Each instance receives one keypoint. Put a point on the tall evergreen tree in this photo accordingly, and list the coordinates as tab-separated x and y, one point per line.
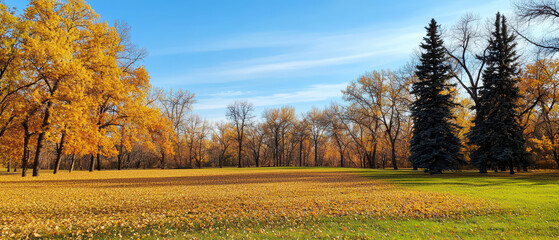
497	131
434	144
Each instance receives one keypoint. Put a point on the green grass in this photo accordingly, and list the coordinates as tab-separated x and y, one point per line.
529	203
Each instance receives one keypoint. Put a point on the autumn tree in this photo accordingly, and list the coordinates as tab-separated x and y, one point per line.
175	106
57	52
301	131
199	136
255	135
11	81
240	114
337	130
223	135
318	125
539	82
71	80
278	122
192	126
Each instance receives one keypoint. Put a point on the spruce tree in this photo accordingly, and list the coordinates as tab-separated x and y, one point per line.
497	132
434	144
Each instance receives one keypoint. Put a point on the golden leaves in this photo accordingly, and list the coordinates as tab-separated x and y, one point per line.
207	200
78	70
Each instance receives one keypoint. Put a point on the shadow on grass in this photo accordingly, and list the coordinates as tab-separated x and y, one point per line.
469	178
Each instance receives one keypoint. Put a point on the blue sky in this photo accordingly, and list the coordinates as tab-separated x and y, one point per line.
274	53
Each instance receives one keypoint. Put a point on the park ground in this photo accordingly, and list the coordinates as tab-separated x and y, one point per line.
269	203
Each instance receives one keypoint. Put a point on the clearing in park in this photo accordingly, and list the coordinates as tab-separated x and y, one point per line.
280	203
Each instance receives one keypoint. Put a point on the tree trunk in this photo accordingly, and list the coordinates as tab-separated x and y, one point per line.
374	156
369	160
71	168
342	159
301	153
120	155
59	154
556	157
39	147
128	157
394	163
281	153
483	167
511	166
190	154
383	160
119	163
162	160
25	157
257	156
503	167
9	165
178	155
200	155
98	161
276	150
240	150
92	163
40	140
315	154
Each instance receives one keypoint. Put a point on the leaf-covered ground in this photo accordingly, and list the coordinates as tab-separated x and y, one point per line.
224	203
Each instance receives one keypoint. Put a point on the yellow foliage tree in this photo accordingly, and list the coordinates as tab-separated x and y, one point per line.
539	84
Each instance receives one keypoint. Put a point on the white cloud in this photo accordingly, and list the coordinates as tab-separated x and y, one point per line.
262	69
313	93
246	41
230	93
311	55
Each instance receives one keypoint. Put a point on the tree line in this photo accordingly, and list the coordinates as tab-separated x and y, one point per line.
74	95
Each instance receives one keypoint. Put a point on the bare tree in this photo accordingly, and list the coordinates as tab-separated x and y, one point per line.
256	141
131	53
393	108
337	130
318	126
466	45
175	106
190	132
540	11
200	136
278	123
240	114
301	133
382	98
222	136
363	95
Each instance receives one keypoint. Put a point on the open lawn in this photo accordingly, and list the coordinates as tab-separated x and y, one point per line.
280	202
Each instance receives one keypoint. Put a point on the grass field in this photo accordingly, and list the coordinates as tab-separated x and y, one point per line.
280	203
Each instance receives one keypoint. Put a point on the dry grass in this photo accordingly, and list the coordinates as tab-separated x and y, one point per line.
111	202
